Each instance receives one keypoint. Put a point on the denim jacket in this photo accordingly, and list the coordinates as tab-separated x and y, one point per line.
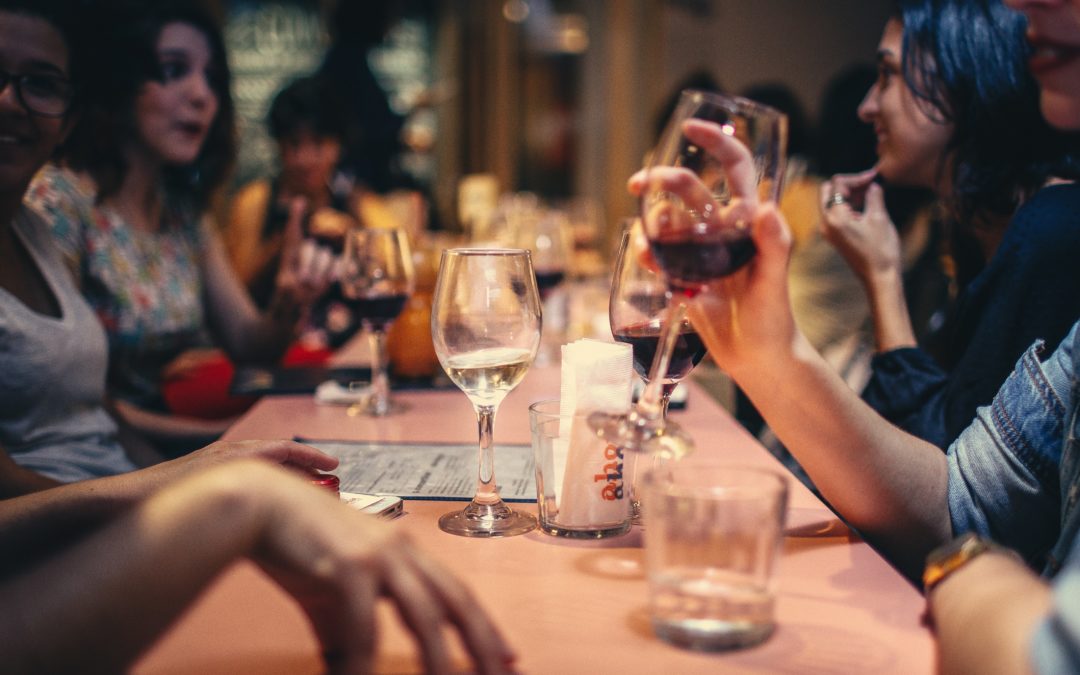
1014	475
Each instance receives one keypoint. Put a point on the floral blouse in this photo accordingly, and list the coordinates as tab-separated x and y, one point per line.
146	287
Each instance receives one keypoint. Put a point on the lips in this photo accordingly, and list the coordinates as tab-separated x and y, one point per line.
1048	55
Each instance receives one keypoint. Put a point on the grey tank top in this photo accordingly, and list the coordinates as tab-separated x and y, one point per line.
52	376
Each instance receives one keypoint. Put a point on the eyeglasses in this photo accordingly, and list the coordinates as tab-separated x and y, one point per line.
45	95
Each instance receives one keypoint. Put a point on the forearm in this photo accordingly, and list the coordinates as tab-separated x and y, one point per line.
244	332
888	484
985	615
166	428
16	481
132	578
888	305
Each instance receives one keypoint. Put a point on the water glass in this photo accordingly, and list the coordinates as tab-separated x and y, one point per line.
712	538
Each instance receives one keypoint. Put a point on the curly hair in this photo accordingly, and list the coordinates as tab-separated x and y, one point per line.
965	61
126	59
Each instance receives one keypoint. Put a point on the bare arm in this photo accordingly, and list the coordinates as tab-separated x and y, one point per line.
16	481
303	276
68	511
985	615
135	577
888	484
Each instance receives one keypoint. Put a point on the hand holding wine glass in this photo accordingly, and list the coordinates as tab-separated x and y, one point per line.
376	280
719	158
485	323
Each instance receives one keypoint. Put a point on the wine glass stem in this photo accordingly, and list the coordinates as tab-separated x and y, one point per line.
652	404
380	383
486	489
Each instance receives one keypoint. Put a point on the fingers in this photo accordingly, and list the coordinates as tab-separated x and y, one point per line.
733	155
478	631
842	190
772	236
875	201
288	453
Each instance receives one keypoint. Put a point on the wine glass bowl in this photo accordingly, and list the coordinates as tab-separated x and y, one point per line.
376	278
719	156
485	324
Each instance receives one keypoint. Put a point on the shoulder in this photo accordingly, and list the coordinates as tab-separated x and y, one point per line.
1050	214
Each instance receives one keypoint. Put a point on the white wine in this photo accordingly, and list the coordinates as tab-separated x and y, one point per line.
487	375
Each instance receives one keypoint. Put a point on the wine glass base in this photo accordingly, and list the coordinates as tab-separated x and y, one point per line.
369	408
466	524
636	433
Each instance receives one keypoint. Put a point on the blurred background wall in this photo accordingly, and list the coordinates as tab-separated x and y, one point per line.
558	97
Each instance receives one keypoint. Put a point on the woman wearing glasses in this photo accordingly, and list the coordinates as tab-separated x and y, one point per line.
128	207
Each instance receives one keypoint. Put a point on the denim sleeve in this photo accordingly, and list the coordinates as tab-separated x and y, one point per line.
1055	646
1004	468
907	387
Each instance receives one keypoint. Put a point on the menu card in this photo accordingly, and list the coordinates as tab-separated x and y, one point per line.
443	471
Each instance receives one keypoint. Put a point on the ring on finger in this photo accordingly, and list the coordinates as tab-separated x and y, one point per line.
835	199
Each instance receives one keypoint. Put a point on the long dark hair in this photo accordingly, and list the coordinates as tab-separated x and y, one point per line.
127	59
966	63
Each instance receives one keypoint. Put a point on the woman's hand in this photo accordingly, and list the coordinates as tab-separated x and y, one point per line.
871	245
307	268
868	240
745	318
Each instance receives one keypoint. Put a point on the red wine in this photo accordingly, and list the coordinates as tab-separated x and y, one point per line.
693	263
378	311
645	338
548	279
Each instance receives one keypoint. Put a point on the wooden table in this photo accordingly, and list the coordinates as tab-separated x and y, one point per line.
566	606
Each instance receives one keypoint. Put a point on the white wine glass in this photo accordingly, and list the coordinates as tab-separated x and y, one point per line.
718	158
485	323
376	280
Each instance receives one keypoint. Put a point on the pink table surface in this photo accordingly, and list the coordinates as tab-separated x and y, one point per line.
565	606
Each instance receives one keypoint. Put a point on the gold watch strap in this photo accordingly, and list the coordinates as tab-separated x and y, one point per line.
950	557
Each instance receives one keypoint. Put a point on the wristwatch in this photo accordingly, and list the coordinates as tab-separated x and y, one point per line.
947	558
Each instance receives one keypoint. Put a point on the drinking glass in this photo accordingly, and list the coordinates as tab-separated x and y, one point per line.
376	280
548	237
718	158
485	322
638	311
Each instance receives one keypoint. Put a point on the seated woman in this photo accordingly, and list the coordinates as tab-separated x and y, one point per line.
307	123
128	204
957	113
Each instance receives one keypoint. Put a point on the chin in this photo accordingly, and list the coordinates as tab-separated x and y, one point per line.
1061	109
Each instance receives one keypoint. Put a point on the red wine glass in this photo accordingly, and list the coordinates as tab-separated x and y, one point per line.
376	280
718	158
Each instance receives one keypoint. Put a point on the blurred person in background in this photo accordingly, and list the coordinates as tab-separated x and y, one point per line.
309	126
128	208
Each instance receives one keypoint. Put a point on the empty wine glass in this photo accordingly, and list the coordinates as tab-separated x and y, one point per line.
485	323
718	158
376	280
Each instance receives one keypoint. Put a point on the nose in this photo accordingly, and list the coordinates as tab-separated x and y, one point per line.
9	100
199	91
868	108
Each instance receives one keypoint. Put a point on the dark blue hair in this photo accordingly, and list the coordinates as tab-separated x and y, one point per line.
966	63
